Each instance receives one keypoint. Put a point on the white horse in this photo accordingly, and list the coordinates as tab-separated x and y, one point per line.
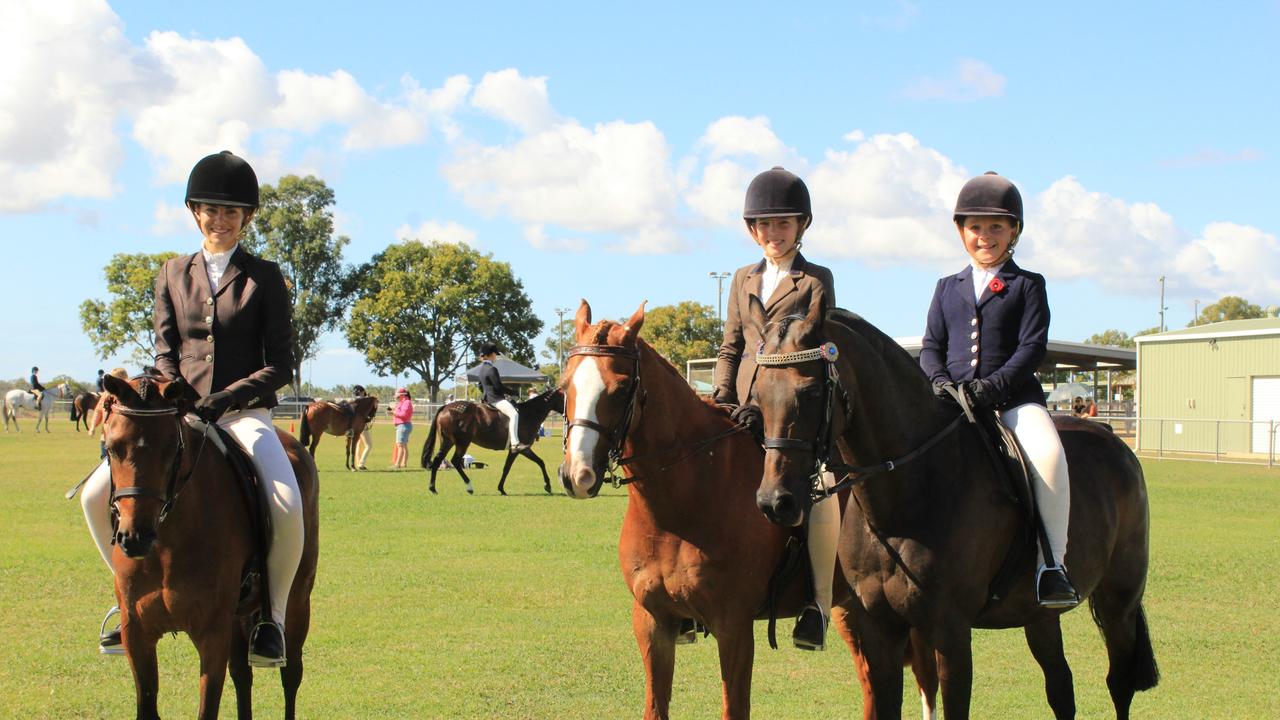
15	399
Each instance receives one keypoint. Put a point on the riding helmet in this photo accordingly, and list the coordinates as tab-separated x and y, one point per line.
989	194
777	193
488	349
223	179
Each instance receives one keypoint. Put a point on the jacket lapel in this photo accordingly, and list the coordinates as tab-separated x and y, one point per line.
964	285
1008	273
234	268
197	278
788	284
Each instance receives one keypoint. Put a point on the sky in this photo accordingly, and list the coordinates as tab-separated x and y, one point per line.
603	149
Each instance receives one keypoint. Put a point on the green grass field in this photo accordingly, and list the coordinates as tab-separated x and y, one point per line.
454	606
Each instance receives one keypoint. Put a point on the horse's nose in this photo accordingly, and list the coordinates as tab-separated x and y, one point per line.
136	544
779	506
580	481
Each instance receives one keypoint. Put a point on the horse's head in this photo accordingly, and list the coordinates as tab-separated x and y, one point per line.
792	391
600	382
144	440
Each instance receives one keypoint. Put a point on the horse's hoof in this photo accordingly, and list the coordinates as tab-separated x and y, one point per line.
433	490
471	490
502	492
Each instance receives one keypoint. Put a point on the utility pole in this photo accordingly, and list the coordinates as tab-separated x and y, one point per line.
1195	313
1163	307
719	278
560	341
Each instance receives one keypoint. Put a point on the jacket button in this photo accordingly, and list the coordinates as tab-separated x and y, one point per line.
208	319
973	335
973	362
211	340
974	322
209	358
972	349
208	301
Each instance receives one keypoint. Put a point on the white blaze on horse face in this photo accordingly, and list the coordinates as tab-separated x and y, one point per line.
588	387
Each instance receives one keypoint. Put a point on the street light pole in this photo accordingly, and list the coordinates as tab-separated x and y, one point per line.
719	278
560	341
1195	314
1162	305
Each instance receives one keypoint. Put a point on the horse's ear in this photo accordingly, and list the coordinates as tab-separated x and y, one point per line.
633	325
123	391
755	314
812	325
179	392
581	321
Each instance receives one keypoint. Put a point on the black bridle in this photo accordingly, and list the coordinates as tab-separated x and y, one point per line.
173	486
820	445
616	435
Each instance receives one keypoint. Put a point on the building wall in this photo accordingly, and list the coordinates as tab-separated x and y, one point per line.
1198	380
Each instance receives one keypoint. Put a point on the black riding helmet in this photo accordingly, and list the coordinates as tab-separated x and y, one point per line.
223	179
488	349
989	194
777	193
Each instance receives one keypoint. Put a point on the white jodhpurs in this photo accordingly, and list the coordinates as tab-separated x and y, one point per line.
255	433
363	445
513	420
1035	430
823	534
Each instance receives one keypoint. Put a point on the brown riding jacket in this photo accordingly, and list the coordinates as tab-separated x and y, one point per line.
238	339
806	285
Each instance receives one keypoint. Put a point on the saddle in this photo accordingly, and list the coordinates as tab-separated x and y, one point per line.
345	407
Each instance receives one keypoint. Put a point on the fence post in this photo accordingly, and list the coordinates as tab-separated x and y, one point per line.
1217	439
1160	445
1271	452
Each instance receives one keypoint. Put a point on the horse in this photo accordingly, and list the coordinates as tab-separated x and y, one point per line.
462	422
82	406
933	539
693	545
325	417
184	545
15	399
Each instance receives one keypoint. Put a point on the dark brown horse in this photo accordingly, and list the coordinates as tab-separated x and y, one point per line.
82	406
348	419
928	535
693	544
184	544
460	423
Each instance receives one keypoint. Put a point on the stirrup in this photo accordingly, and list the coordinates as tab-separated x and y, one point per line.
260	661
102	633
1056	603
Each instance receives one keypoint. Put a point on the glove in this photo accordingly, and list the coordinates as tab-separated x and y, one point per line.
211	407
749	417
940	389
982	394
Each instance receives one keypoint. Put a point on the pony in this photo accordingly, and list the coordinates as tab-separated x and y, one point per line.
325	417
693	545
184	547
15	399
933	538
82	406
460	423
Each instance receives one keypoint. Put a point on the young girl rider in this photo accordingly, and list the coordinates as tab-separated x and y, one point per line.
987	332
777	211
221	290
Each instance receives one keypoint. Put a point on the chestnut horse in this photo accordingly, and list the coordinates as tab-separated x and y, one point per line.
933	523
460	423
184	544
693	544
322	417
82	406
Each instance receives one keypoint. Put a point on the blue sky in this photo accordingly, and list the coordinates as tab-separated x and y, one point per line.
603	151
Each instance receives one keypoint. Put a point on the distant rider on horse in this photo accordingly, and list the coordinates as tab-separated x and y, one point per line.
495	393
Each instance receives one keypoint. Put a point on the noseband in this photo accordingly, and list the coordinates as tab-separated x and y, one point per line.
616	435
173	486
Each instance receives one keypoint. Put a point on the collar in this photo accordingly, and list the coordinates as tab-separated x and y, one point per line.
796	268
221	258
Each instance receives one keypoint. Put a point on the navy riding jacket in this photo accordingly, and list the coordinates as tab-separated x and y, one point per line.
1002	337
491	384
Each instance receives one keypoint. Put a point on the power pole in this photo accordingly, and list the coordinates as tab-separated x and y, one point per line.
1195	313
560	339
1163	307
719	278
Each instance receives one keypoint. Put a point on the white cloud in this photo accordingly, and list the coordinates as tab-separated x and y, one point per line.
172	219
1212	156
737	135
717	196
515	99
432	230
536	235
970	80
1231	259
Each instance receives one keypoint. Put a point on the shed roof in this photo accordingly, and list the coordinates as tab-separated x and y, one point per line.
1228	328
1063	353
509	370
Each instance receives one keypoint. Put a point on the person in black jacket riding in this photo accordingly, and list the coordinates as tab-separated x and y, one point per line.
495	393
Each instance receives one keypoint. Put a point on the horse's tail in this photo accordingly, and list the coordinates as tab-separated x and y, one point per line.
1143	674
429	446
304	432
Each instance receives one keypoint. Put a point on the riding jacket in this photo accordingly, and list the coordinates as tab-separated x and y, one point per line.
239	338
491	384
804	286
1002	336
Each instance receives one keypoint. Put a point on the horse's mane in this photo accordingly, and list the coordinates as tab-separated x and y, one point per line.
884	346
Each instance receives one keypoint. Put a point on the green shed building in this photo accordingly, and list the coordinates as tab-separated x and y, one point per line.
1210	389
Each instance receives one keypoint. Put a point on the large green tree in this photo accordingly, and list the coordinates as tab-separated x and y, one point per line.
125	321
294	228
426	307
1115	338
1230	307
685	331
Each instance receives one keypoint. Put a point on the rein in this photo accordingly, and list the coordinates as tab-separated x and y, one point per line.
820	446
174	486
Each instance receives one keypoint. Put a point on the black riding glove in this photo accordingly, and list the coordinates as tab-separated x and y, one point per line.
749	417
211	407
982	393
940	389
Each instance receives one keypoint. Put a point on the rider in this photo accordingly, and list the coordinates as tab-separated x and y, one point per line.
100	374
777	212
365	442
36	388
987	332
495	393
221	290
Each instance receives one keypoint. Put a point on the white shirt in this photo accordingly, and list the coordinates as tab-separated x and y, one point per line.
773	274
216	264
982	278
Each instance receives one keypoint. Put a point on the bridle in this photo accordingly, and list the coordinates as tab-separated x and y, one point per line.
820	445
616	435
173	486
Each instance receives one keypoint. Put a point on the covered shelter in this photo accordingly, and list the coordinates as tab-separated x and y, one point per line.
511	372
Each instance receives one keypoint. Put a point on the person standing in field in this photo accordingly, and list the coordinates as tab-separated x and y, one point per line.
402	416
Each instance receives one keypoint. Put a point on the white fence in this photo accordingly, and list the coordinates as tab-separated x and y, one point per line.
1223	441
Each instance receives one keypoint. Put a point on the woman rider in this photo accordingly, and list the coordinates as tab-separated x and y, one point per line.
221	290
777	211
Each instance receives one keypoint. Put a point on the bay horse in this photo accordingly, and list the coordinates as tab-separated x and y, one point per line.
82	406
183	545
462	422
322	417
933	539
16	399
693	545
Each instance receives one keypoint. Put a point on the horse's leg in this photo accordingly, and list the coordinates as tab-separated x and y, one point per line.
506	468
924	665
1132	662
657	643
298	625
458	459
214	648
141	651
737	652
953	648
546	480
445	444
1044	637
881	649
241	674
840	618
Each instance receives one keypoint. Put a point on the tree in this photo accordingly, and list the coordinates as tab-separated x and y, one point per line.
683	332
555	348
1115	338
427	308
125	322
294	228
1230	307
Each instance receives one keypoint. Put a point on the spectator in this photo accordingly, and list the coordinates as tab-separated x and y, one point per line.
403	418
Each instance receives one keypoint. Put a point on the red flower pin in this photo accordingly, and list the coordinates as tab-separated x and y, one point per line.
996	285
